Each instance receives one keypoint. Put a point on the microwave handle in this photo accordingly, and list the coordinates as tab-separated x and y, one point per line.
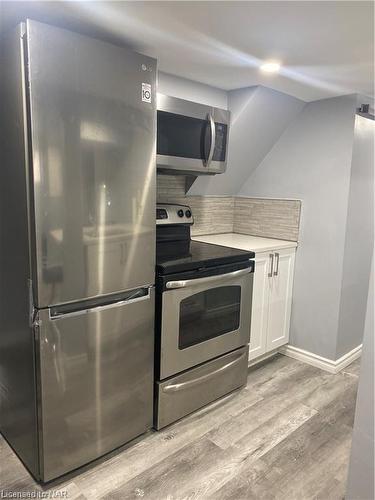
213	136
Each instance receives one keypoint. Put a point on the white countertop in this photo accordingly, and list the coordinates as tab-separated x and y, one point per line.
245	242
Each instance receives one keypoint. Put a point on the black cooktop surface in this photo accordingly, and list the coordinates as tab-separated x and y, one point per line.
179	256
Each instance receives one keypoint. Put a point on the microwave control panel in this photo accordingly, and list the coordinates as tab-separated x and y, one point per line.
221	131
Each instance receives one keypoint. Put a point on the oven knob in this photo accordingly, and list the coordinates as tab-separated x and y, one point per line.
180	213
188	214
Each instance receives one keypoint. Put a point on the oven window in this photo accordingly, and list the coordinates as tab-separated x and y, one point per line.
209	314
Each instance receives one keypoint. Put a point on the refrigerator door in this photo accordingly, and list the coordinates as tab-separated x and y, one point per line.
92	122
95	380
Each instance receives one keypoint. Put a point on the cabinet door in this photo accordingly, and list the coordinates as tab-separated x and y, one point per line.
281	286
260	307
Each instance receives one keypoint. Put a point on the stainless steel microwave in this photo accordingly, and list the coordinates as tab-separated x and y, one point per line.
191	137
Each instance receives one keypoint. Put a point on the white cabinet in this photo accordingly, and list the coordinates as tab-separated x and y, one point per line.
272	301
280	302
273	288
259	315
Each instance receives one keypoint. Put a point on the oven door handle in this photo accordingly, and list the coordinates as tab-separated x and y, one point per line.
203	378
208	279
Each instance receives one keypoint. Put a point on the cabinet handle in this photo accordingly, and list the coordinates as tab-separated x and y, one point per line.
277	258
270	274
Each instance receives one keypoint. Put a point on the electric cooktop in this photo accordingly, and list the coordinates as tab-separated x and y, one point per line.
172	258
176	252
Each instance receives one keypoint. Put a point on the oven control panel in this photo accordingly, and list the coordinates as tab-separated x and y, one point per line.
173	214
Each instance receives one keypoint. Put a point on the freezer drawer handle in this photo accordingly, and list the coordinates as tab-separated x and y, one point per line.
208	279
191	383
55	314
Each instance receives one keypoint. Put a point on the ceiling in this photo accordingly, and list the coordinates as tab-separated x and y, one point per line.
326	48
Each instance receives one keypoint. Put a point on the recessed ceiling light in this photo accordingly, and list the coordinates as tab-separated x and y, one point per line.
270	67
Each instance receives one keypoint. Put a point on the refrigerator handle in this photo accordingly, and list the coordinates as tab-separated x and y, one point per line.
32	310
56	313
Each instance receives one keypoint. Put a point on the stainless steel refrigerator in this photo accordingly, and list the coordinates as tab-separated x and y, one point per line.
77	243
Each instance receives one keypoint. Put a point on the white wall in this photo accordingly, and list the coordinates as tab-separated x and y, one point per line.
312	162
359	240
258	118
191	91
362	463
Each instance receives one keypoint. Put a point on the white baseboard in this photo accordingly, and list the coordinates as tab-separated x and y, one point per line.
324	363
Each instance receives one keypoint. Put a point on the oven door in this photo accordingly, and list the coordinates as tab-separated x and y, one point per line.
204	318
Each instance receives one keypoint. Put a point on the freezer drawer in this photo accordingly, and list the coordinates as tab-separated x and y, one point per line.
96	381
188	391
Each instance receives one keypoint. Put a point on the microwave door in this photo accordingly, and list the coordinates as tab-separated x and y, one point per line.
185	143
191	137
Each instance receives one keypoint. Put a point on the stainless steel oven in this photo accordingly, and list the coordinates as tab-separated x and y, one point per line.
203	314
204	317
191	137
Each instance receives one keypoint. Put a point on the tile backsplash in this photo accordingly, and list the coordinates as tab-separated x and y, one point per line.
269	218
212	214
169	187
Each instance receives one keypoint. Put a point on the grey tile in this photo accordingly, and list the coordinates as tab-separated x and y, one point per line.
354	368
181	469
269	218
272	218
168	187
285	436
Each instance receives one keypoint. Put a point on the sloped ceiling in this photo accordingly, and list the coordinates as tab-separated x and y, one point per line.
259	116
326	48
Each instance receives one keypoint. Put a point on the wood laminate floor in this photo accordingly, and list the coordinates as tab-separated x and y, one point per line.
287	435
